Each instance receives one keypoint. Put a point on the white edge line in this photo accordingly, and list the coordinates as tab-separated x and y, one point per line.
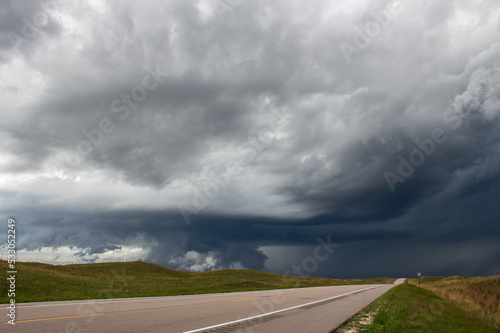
104	301
137	299
273	312
130	299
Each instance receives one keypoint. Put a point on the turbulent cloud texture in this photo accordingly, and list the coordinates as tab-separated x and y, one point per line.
216	134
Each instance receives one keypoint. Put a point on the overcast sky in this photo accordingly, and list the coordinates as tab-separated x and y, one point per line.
326	138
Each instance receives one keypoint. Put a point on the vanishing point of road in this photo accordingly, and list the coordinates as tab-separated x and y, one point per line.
304	310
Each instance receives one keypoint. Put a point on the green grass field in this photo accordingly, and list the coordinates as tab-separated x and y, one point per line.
479	295
44	282
408	308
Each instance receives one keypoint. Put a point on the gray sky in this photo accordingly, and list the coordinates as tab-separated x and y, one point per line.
212	134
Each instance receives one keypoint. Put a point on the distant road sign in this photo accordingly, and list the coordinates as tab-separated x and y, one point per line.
419	274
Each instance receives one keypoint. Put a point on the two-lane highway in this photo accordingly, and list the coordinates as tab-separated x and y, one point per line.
318	309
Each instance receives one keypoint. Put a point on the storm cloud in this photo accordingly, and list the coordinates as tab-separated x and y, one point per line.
212	134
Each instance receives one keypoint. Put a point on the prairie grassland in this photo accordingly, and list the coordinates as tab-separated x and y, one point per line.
479	295
406	308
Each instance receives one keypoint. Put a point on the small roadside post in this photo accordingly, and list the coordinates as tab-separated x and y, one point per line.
419	275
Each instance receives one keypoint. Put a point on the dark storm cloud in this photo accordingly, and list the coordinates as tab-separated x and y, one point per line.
161	94
376	249
228	240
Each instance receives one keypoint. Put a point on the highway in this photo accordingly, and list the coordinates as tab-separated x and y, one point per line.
317	309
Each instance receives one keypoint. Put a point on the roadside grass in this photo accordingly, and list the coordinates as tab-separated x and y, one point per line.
407	308
44	282
478	295
360	320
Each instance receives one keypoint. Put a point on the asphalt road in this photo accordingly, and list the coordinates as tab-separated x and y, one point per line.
319	309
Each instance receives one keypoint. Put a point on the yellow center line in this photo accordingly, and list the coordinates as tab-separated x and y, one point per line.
243	299
25	321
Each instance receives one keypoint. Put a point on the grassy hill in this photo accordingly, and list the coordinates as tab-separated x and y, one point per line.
44	282
478	295
407	308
